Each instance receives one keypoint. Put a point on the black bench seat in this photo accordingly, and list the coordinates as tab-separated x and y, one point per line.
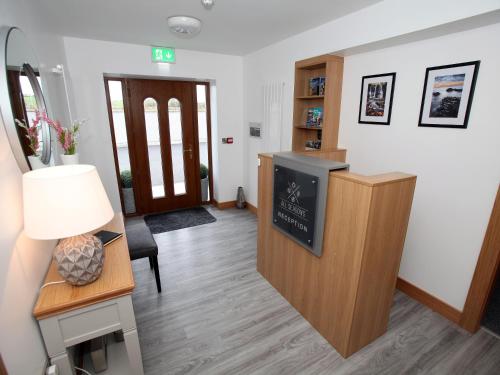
141	244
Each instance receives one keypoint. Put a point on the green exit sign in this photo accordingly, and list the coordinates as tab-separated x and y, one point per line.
162	55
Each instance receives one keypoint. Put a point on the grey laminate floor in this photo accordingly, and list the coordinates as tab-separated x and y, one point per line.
217	315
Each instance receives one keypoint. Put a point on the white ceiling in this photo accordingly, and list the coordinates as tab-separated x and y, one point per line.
232	26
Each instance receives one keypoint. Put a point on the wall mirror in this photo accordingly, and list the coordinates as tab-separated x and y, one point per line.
20	97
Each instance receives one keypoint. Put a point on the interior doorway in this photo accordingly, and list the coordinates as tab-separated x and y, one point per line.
491	317
483	294
161	143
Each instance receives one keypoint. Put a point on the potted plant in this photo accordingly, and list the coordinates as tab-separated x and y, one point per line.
204	182
66	137
128	191
67	140
34	143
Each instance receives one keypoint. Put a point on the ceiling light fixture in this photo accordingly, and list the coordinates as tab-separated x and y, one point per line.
184	26
208	4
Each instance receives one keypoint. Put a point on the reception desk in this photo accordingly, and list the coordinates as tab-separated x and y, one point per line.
346	293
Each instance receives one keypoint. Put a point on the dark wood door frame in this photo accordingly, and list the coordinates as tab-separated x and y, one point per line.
19	107
3	369
209	140
485	273
131	134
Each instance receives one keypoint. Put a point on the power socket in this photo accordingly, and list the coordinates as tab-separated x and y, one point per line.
52	370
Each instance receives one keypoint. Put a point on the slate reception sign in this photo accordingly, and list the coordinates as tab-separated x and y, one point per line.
299	197
294	203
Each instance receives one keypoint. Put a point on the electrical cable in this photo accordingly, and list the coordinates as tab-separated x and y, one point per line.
52	283
82	370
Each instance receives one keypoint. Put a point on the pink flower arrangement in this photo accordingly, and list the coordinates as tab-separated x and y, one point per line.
32	131
66	137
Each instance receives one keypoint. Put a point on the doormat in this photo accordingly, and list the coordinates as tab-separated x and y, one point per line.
169	221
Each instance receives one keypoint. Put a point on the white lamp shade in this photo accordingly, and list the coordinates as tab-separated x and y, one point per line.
64	201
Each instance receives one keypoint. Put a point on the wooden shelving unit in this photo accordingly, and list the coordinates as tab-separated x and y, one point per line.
311	97
309	127
332	68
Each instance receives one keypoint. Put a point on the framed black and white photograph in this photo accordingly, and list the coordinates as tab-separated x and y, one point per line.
375	104
447	96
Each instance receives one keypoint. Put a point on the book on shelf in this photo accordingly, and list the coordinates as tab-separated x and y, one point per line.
314	117
317	86
313	145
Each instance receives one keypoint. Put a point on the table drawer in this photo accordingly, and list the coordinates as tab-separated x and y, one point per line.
73	327
93	323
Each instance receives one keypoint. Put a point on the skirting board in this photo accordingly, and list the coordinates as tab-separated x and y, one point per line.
224	205
252	208
415	292
231	204
429	300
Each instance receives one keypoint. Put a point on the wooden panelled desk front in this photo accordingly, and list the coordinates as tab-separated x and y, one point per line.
347	293
69	315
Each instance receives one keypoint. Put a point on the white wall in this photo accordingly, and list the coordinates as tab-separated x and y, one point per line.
458	169
385	20
23	262
89	59
450	213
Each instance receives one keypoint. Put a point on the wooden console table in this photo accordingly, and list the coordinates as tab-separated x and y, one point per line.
69	315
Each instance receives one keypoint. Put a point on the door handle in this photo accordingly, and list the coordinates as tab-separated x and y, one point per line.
190	150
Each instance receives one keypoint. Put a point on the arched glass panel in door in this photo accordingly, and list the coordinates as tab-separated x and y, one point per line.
154	147
177	146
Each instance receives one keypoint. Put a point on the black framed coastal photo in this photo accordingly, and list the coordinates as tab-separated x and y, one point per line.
375	104
447	96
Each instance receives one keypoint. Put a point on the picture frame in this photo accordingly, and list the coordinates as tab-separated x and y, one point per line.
375	103
447	95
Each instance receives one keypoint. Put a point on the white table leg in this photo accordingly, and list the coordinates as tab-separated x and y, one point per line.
134	351
64	364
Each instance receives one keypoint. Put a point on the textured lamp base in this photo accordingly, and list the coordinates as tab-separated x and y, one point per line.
79	259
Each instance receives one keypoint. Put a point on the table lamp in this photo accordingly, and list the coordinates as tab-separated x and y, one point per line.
66	202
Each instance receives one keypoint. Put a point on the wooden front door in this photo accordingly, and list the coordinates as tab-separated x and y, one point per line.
164	144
